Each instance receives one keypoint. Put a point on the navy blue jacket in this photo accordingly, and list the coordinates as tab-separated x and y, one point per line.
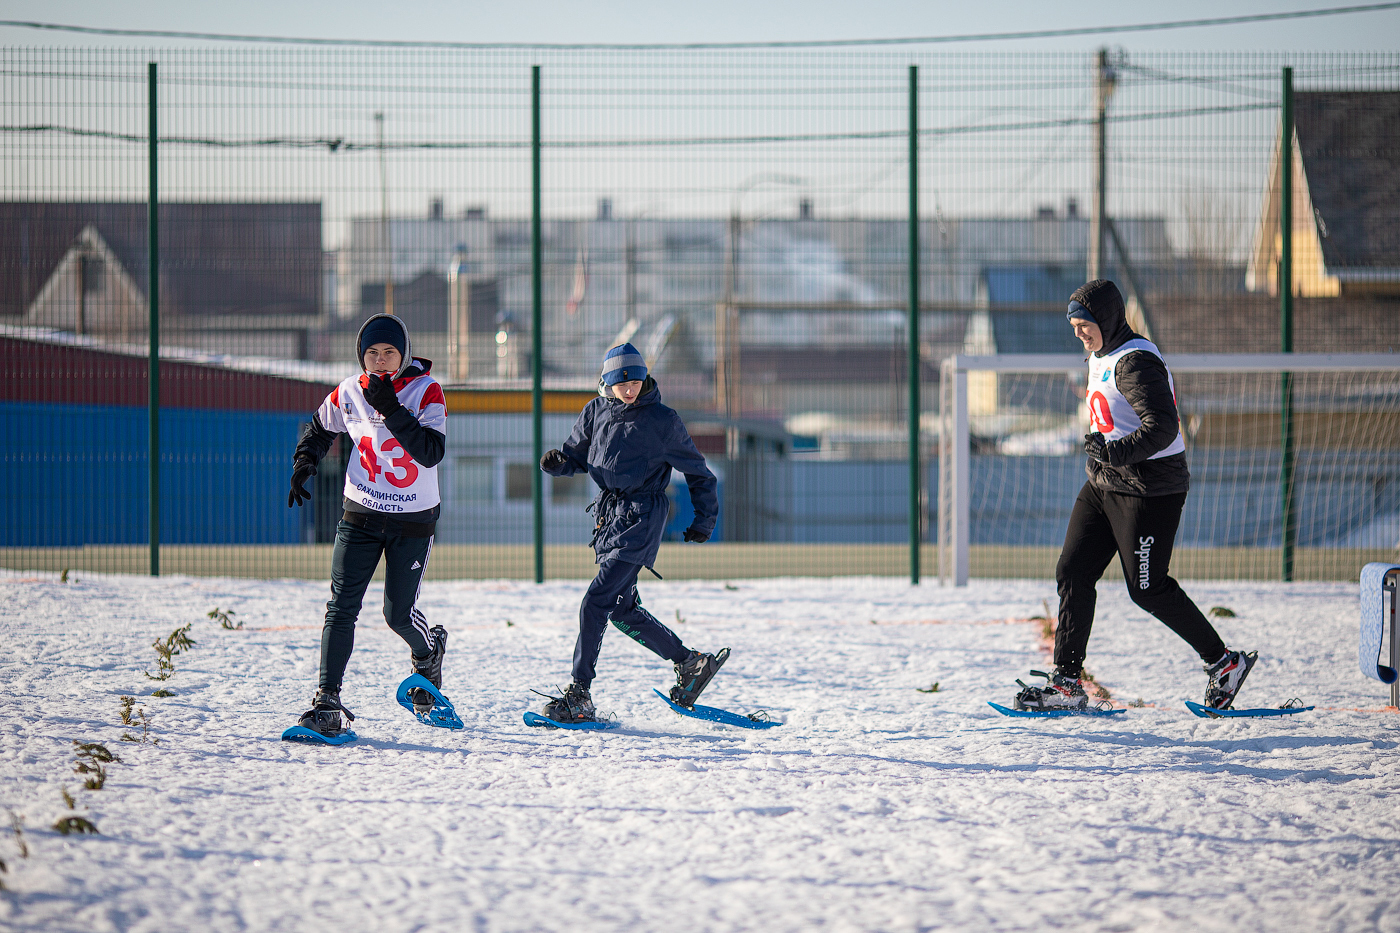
629	452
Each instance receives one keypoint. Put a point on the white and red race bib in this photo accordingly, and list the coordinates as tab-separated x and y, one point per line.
1109	410
381	475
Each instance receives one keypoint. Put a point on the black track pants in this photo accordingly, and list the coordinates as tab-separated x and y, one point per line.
1141	531
612	597
357	553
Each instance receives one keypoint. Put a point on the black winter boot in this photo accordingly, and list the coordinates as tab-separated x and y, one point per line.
324	715
576	705
431	669
693	675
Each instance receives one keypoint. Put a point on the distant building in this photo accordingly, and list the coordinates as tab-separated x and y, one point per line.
235	278
1346	198
821	304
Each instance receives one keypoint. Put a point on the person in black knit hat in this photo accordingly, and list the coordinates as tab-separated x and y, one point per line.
1130	506
396	415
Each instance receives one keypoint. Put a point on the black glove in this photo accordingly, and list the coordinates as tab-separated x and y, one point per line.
553	460
302	471
696	536
1096	447
380	394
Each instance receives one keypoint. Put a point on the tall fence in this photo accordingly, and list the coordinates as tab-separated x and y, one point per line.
743	218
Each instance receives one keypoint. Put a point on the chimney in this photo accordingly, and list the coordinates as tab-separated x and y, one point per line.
804	209
1072	208
605	208
435	209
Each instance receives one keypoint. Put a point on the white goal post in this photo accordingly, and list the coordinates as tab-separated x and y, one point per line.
954	435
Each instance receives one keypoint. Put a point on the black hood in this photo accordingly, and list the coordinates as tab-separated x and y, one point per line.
1105	303
407	344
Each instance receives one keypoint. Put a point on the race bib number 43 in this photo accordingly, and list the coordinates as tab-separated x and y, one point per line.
369	459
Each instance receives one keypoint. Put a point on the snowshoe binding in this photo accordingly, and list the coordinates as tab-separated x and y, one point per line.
694	674
1060	692
576	705
1227	676
431	669
323	722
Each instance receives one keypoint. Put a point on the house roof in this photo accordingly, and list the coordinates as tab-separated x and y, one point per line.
216	258
1350	147
1033	331
1032	284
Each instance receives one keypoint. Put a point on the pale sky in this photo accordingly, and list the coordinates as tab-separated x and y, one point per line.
631	21
1158	167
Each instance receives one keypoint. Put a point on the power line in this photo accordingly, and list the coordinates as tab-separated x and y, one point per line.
673	46
338	144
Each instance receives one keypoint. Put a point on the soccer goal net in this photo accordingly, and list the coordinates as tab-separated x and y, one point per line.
1295	464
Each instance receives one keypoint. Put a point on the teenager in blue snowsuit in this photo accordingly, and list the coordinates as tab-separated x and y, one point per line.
628	443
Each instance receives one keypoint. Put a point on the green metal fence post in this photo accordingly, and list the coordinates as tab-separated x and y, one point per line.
153	296
915	473
1289	506
536	323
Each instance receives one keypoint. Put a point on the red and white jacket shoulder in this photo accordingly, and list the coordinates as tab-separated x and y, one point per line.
418	392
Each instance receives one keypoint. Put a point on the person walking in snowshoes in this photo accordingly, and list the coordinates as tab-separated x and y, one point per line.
628	443
396	416
1130	506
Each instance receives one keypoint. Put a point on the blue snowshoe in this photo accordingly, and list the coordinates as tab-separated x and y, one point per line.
425	701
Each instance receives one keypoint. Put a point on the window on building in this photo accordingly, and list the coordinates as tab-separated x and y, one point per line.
473	479
574	488
518	479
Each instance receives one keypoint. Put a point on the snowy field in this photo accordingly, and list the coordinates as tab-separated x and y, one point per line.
875	807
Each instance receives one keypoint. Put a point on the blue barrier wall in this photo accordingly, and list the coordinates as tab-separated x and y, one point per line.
78	475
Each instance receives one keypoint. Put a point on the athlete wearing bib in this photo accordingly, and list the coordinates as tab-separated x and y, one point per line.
396	416
1129	507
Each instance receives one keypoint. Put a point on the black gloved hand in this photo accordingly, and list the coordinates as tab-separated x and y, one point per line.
380	394
302	471
1096	447
696	537
553	460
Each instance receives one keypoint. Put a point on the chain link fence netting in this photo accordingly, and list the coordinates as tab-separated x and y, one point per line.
741	216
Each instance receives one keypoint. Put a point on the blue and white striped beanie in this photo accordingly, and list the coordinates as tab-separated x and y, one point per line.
623	364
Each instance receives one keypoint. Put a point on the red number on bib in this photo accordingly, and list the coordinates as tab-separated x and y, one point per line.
368	460
1099	414
405	463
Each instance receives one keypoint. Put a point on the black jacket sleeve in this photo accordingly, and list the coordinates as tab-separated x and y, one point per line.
315	441
424	445
1142	378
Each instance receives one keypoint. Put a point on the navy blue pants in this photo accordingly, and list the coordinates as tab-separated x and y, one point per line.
612	597
356	556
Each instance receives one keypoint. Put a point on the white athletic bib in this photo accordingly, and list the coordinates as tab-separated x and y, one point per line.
1109	410
381	475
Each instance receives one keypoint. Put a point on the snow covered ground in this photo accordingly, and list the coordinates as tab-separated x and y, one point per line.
875	807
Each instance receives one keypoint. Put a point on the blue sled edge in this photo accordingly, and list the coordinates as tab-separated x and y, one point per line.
724	716
536	720
443	715
307	736
1053	713
1206	712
